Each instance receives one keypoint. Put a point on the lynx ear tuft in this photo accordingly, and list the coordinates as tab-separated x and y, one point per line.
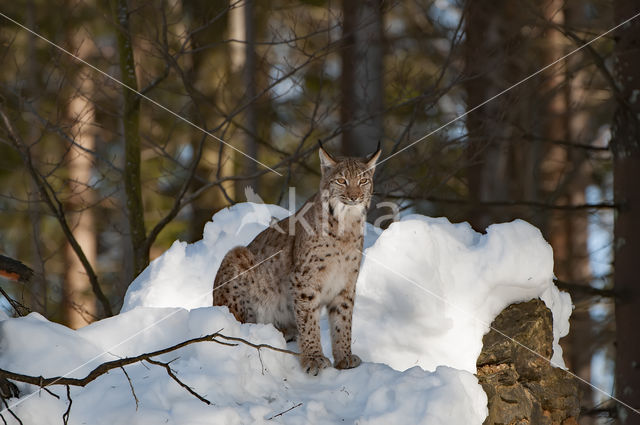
371	161
326	161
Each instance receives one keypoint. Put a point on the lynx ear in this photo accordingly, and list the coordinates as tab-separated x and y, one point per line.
326	161
371	161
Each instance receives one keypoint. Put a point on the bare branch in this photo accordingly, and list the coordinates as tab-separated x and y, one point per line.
516	203
49	197
177	205
576	288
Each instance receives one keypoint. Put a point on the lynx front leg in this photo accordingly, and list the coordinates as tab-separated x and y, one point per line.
307	312
340	315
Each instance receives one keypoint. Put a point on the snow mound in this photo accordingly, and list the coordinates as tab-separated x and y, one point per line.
429	289
427	292
244	386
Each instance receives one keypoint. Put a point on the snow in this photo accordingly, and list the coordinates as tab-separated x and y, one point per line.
449	283
183	276
427	292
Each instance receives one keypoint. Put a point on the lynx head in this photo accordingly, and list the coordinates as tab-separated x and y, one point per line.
347	181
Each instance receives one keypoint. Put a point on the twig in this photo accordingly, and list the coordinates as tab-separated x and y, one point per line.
6	405
155	231
261	362
20	309
65	416
288	410
258	346
175	378
131	386
51	393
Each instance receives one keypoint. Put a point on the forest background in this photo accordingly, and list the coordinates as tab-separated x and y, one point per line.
486	112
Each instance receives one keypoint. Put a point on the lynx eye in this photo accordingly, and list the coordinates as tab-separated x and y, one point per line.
341	181
363	181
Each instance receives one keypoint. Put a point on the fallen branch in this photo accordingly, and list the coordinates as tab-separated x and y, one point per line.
106	367
115	364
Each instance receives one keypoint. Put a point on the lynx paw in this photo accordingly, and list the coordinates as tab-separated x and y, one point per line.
314	363
348	362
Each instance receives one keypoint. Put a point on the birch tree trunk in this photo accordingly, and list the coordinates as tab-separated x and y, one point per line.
79	304
243	59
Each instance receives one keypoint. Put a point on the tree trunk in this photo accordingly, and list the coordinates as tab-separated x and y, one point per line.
625	145
40	301
563	180
362	91
488	68
79	304
243	59
362	77
131	124
217	159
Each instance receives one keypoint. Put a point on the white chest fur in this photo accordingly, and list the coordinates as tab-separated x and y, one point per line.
334	281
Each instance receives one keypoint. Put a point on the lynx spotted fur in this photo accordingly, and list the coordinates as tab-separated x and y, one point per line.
305	262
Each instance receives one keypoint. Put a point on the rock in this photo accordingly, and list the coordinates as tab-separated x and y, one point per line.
521	385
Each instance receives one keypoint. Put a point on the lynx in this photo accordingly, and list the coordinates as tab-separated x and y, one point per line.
305	262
